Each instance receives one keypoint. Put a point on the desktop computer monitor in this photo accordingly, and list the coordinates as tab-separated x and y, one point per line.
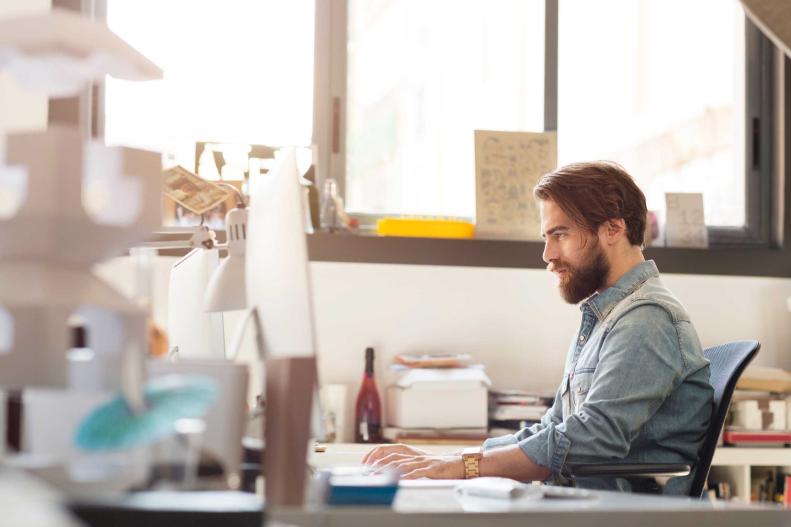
277	274
192	332
279	290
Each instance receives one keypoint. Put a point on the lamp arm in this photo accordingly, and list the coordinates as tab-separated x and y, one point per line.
201	237
240	203
175	244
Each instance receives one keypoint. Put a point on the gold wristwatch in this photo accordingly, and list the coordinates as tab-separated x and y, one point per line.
471	458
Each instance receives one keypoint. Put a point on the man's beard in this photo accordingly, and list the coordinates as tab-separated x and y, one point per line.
586	279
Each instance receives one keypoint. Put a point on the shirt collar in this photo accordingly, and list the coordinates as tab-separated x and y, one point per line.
602	303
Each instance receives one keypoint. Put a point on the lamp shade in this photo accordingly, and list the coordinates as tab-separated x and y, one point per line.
227	290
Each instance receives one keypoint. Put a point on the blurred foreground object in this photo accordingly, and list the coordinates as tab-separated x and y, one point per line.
60	52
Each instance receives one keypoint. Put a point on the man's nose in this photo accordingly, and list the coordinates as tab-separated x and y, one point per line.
549	253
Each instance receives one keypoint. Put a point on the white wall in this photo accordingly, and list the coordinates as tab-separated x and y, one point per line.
512	320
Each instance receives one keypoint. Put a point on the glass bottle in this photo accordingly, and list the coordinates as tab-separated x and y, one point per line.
329	209
368	411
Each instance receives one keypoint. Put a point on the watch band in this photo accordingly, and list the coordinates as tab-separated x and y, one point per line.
471	459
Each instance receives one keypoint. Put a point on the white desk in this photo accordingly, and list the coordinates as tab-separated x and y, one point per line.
441	507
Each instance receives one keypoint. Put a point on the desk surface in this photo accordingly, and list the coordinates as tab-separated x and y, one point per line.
442	507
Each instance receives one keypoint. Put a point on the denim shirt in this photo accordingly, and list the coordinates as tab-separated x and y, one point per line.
635	387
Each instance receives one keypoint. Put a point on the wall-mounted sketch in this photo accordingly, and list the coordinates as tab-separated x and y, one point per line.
507	167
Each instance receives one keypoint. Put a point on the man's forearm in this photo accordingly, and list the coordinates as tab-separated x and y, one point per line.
510	462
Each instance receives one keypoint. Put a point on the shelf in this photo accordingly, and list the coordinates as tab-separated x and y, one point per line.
772	456
734	464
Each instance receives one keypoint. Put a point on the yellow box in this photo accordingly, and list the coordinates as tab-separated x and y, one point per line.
425	228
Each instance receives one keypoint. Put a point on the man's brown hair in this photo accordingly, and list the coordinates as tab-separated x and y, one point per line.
595	192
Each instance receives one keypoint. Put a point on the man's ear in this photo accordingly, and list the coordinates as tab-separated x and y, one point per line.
614	229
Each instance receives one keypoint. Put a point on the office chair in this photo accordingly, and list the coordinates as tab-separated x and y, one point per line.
728	361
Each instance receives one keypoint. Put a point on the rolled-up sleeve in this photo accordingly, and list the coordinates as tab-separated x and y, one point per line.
553	416
639	366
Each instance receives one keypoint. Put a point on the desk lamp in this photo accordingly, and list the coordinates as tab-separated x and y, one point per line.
200	289
226	290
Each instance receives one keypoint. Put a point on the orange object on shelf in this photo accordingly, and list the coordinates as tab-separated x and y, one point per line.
425	228
433	361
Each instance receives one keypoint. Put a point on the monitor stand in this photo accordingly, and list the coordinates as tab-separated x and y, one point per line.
290	384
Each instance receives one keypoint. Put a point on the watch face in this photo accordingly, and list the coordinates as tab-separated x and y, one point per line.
473	452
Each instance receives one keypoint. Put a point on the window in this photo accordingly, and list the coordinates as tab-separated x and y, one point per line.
236	71
678	91
658	87
419	82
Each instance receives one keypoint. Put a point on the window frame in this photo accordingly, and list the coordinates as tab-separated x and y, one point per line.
759	147
770	259
773	260
330	118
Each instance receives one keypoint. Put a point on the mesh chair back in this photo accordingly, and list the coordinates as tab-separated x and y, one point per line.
728	361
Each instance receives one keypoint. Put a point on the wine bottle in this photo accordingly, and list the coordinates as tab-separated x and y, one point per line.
368	414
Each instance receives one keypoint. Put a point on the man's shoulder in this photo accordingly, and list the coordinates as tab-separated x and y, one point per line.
653	297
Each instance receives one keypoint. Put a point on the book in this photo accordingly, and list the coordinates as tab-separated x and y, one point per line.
498	397
436	436
421	440
457	360
756	437
392	432
518	412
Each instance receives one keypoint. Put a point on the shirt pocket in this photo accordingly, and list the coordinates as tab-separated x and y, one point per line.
579	387
564	396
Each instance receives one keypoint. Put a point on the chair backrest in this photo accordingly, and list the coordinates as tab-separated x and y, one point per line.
728	361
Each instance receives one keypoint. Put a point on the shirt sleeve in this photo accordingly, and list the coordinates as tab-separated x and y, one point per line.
553	416
639	366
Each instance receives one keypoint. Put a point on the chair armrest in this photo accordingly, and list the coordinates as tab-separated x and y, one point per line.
628	470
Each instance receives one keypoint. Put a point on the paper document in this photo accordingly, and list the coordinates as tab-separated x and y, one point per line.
432	378
507	167
192	191
684	223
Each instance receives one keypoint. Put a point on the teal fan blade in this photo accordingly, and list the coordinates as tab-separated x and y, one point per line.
112	426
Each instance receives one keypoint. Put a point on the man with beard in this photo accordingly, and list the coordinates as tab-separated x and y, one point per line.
635	386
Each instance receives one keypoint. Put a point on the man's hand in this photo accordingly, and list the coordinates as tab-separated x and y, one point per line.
413	467
413	462
375	455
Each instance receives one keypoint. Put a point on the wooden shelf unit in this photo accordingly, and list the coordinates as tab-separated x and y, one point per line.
734	464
